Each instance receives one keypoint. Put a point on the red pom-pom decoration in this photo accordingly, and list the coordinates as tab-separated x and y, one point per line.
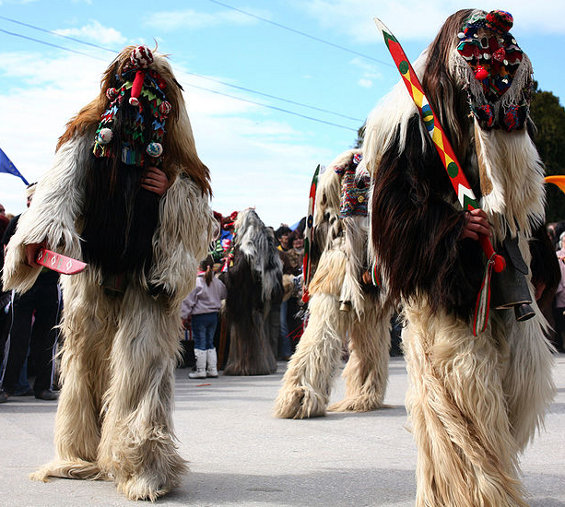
141	57
499	55
165	108
481	73
136	87
499	21
111	93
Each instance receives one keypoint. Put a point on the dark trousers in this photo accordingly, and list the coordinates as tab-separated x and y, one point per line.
559	339
5	320
43	301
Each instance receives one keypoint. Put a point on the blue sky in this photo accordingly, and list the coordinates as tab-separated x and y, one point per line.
258	156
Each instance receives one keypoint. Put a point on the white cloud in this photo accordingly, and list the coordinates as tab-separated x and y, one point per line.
369	72
254	161
95	31
188	18
421	19
35	116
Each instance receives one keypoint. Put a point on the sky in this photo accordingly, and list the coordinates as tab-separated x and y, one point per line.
273	88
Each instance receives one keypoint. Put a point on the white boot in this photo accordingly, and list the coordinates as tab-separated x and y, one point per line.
212	360
200	364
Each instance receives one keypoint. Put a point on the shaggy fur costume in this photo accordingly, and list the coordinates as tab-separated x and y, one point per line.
114	419
474	402
341	307
253	282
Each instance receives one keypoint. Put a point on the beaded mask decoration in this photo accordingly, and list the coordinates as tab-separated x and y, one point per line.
136	114
354	189
500	95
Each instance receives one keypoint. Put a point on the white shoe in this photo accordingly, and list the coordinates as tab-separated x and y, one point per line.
197	374
212	362
200	364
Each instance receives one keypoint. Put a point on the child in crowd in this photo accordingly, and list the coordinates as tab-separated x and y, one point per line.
202	306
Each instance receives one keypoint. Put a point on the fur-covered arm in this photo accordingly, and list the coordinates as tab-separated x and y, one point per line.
186	229
417	228
51	218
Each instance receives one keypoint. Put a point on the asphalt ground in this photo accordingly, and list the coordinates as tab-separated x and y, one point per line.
240	454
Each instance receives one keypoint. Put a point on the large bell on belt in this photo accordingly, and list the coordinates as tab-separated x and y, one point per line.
510	286
523	312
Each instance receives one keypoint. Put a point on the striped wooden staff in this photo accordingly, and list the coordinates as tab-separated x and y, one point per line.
306	261
465	194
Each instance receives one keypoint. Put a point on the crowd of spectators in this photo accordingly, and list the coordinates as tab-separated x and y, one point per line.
27	322
28	337
553	306
288	313
28	333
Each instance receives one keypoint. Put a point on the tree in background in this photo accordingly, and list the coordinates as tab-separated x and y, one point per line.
360	136
549	118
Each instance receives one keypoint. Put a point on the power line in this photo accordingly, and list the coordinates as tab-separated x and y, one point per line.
303	34
192	85
275	108
275	97
49	44
113	51
91	44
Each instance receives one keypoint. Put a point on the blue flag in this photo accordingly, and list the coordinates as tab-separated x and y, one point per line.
6	166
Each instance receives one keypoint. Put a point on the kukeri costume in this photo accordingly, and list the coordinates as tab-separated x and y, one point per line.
342	305
254	281
474	401
120	322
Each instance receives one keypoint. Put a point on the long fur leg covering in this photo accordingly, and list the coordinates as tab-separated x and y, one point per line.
87	326
528	382
467	454
137	447
250	351
308	380
366	372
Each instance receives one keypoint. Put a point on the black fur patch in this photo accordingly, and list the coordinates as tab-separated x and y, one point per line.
120	218
244	291
416	226
250	352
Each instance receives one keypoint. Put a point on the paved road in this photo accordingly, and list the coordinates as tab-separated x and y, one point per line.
240	455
